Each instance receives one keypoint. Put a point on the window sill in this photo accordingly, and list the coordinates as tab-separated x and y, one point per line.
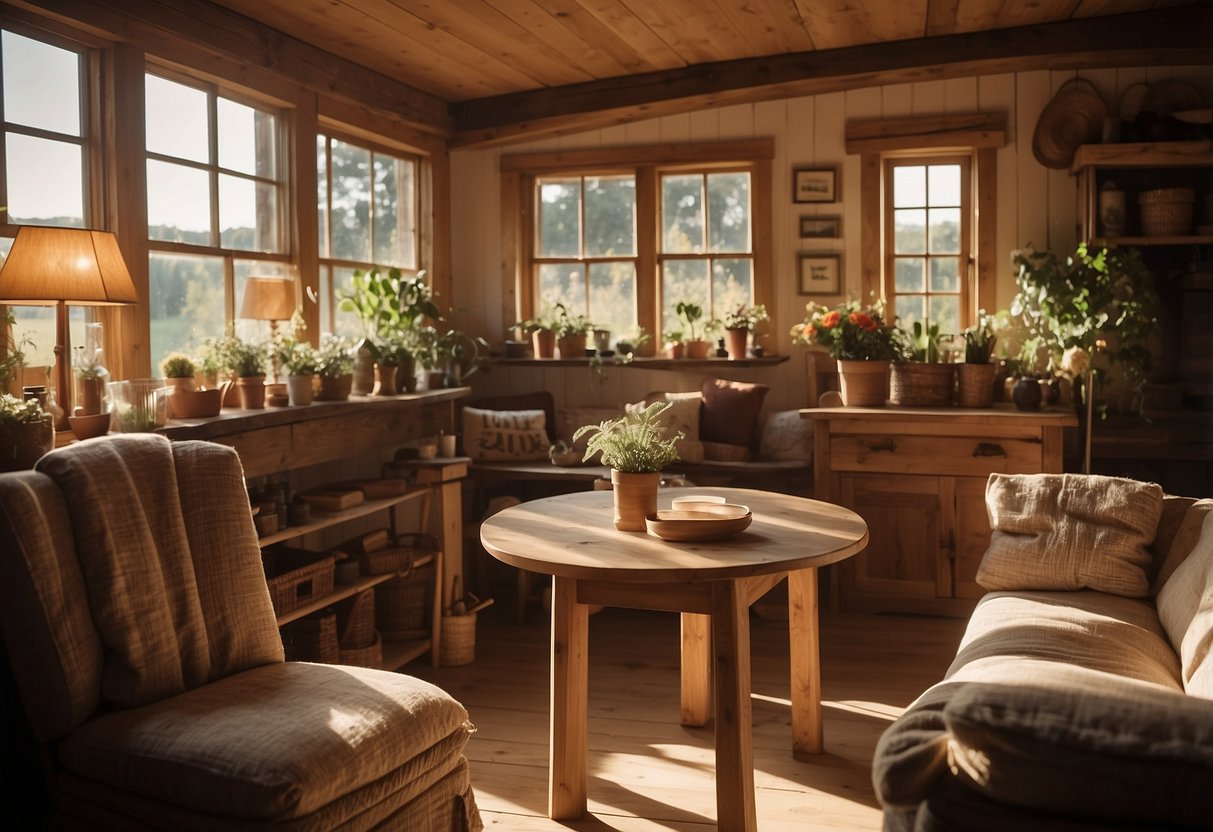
645	363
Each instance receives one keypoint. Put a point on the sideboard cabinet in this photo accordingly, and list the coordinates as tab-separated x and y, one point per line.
918	477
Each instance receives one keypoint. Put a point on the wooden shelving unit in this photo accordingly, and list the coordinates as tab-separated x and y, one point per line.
336	518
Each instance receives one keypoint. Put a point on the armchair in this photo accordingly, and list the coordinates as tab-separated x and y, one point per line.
143	646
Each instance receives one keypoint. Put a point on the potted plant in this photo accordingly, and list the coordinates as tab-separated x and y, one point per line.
571	334
178	370
390	307
299	359
738	324
636	446
920	379
335	365
860	340
461	355
690	314
26	433
975	377
675	344
395	367
248	361
12	355
542	330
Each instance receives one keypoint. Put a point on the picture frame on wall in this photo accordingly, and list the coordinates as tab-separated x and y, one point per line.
814	185
820	274
820	228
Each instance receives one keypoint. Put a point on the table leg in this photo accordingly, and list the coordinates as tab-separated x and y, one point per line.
803	637
567	779
696	669
734	718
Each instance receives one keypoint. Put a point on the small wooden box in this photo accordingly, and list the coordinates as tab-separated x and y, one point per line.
332	500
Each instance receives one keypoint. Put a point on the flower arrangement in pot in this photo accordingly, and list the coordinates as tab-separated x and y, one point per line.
637	447
975	377
861	341
248	360
335	366
920	379
26	433
299	359
738	324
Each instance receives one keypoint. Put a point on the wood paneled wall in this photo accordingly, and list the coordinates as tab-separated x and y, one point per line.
1035	205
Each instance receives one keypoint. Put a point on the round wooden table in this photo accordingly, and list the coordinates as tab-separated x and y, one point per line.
712	584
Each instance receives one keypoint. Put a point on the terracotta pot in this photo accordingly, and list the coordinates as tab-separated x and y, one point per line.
23	443
543	341
300	389
92	393
186	383
252	392
86	427
571	346
363	380
385	380
1026	394
335	388
635	499
676	350
735	341
698	349
864	383
975	384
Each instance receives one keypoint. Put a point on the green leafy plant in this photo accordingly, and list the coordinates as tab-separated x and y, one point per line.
13	409
690	314
178	365
980	340
12	350
745	317
547	320
634	443
922	342
386	304
335	357
850	331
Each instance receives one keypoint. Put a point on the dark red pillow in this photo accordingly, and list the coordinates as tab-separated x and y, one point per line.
730	412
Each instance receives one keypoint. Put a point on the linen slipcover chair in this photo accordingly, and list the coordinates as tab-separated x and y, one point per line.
144	647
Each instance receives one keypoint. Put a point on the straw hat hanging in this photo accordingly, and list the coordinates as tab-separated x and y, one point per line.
1074	117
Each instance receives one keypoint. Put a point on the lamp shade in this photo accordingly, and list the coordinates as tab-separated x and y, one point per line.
268	298
73	265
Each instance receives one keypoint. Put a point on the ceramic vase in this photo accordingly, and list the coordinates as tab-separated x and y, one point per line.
299	389
543	341
385	379
635	498
363	380
863	383
1026	394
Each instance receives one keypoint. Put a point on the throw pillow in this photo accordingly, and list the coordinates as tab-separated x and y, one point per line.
504	435
730	411
1185	602
786	436
682	415
725	452
1068	531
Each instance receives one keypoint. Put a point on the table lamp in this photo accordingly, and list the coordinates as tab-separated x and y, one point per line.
66	266
269	299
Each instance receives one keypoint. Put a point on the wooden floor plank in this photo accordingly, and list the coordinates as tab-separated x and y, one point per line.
646	771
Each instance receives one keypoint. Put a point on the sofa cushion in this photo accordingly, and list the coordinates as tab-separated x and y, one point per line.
730	411
1087	745
1185	602
786	436
497	435
682	415
276	742
1170	547
1067	531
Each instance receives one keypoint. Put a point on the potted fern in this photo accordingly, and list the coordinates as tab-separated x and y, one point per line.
636	447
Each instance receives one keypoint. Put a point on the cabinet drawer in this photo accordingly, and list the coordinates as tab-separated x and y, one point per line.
945	455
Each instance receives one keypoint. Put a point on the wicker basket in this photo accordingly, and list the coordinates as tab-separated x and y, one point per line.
914	384
458	645
296	577
975	384
399	557
1166	212
356	621
312	639
369	656
402	604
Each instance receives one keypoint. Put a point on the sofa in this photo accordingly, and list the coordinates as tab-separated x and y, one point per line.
1081	695
144	677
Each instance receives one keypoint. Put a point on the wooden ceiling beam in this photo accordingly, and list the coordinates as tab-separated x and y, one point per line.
1166	36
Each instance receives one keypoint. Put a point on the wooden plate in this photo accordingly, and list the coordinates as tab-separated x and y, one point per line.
699	521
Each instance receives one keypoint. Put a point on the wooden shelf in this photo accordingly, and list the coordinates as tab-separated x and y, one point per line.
340	593
1184	240
337	517
646	363
396	654
1143	154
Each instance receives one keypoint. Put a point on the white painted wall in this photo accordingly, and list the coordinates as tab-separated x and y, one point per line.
1036	205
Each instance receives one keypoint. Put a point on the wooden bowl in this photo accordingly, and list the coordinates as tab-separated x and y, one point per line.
86	427
195	404
699	521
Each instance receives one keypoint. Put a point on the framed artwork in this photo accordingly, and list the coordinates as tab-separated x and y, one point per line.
820	274
820	228
814	185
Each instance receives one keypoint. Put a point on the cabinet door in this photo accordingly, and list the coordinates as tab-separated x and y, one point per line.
901	568
972	536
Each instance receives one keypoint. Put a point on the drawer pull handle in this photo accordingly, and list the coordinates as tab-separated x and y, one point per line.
883	445
989	449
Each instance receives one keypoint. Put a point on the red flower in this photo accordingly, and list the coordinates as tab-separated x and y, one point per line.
831	319
863	321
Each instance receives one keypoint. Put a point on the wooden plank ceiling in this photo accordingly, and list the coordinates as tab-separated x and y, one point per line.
468	52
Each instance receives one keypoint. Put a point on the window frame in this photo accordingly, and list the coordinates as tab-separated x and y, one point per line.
967	291
519	176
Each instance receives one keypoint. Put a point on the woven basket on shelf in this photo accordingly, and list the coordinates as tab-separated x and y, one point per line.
369	656
458	640
1166	212
402	604
914	384
312	639
406	550
356	621
297	576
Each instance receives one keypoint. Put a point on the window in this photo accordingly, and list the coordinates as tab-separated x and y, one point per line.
707	257
216	199
368	205
927	220
622	235
46	118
